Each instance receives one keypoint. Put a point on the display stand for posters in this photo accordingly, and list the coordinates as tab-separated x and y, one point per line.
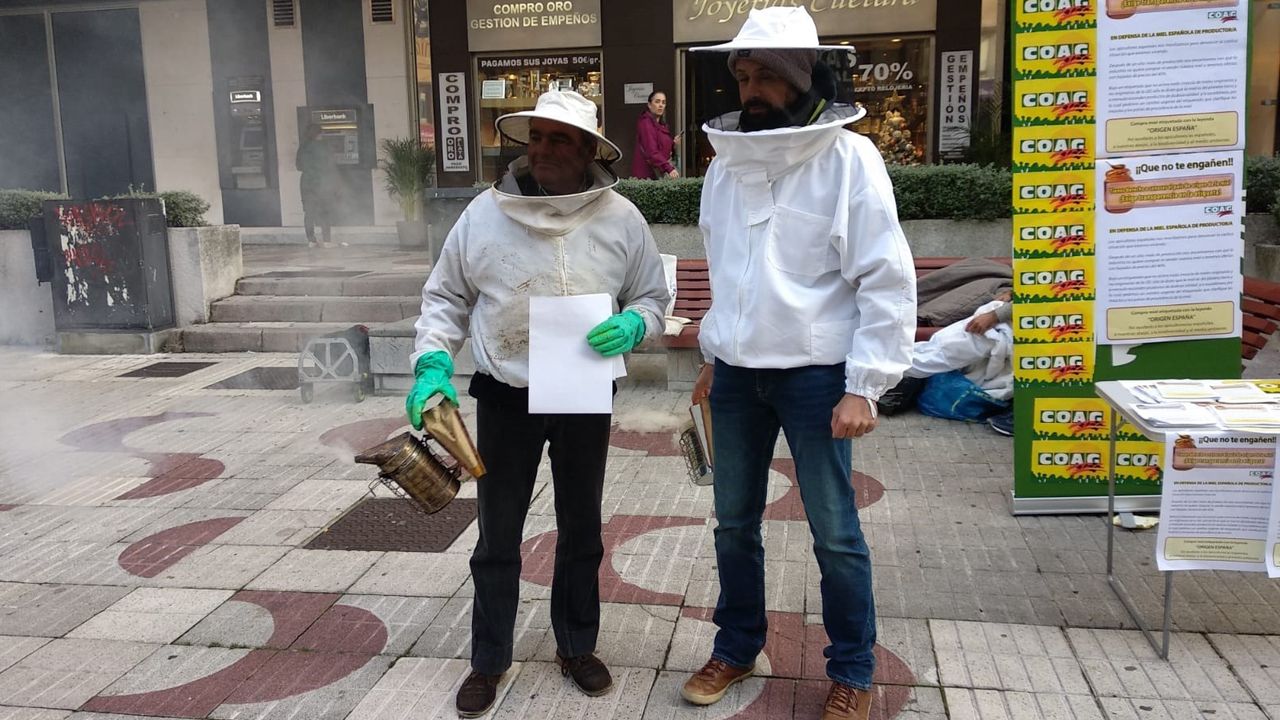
1121	400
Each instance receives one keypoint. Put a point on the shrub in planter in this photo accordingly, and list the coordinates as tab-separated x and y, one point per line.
946	192
19	206
182	208
1275	209
1261	182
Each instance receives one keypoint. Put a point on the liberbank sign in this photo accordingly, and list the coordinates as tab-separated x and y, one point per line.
551	24
708	20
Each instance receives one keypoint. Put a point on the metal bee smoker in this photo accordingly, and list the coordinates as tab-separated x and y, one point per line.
695	445
411	469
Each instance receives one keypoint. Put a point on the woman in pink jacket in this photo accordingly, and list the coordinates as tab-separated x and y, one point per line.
651	158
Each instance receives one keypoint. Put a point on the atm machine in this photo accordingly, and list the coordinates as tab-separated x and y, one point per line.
347	130
248	135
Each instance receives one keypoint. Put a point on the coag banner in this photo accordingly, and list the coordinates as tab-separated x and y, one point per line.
1128	127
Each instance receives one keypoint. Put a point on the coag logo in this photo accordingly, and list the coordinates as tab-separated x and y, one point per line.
1060	327
1146	465
1060	367
1075	422
1219	210
1075	463
1063	10
1059	282
1064	104
1060	195
1225	16
1064	55
1061	237
1061	151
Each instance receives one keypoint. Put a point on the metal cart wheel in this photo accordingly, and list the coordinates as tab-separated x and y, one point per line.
308	392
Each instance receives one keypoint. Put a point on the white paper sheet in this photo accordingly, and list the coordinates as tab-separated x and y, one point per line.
565	374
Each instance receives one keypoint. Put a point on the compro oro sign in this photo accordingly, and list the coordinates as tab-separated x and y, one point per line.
532	25
707	20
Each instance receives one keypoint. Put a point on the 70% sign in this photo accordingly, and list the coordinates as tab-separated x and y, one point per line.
881	72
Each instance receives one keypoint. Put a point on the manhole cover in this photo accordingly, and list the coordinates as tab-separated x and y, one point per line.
260	378
167	369
311	273
395	525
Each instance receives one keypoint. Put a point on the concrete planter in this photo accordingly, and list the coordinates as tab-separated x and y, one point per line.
27	314
204	265
1262	247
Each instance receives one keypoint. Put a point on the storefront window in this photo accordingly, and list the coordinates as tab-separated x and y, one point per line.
422	53
889	76
891	79
511	83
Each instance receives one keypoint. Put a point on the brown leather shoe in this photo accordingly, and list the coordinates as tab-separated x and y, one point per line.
846	703
477	694
588	673
710	683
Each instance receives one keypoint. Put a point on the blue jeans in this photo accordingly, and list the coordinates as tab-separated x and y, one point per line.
748	407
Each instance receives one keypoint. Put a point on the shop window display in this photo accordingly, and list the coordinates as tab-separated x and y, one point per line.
890	77
511	83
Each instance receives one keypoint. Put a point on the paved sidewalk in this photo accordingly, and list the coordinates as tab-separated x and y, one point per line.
153	562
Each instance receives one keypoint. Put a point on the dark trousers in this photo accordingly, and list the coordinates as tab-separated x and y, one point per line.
510	441
316	210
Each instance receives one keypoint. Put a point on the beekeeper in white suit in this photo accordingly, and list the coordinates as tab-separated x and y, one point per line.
812	319
552	226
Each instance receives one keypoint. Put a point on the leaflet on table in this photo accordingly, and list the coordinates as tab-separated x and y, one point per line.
1215	506
1171	76
1168	248
1218	391
1238	417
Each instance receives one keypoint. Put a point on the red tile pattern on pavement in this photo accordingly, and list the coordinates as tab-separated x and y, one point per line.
325	643
156	553
291	612
108	436
174	472
7	508
539	557
867	490
359	436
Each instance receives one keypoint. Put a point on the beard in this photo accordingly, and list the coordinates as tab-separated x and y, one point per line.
760	115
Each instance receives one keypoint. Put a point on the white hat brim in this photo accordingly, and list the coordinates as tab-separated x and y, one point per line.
756	45
515	127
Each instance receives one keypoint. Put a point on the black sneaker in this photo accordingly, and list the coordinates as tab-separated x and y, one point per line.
1002	423
588	673
477	694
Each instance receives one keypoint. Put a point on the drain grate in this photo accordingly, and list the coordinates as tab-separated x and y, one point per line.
260	378
396	525
311	273
167	369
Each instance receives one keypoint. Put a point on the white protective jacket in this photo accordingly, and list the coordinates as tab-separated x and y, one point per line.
808	263
506	248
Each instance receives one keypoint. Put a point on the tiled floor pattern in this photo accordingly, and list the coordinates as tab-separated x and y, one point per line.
155	566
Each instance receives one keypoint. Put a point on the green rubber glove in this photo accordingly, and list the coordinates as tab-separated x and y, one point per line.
432	371
617	335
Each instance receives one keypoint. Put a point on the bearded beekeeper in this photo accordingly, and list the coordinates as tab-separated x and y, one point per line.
551	227
812	319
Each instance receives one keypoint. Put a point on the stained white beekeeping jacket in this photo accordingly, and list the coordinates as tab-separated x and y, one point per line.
808	263
507	247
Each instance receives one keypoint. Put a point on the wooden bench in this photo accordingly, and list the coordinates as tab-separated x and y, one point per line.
693	299
1260	307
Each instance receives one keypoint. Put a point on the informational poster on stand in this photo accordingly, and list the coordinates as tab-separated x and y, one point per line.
1215	510
1171	76
1169	246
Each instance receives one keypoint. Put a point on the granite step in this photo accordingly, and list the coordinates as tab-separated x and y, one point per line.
253	336
350	285
314	309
